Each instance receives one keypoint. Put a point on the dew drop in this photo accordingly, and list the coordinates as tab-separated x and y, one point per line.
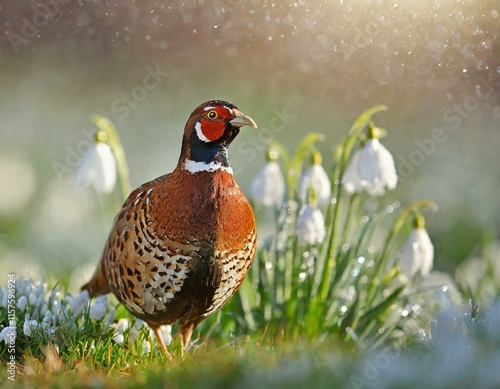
361	260
482	65
494	13
148	37
404	313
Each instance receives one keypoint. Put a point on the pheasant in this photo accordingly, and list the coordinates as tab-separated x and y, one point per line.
182	244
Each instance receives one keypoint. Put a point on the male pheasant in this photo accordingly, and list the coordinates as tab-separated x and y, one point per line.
182	244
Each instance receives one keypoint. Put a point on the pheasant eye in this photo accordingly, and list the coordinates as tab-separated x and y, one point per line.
212	115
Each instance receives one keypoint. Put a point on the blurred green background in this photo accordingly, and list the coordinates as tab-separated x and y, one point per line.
294	66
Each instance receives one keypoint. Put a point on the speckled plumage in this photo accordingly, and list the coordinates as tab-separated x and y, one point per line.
182	243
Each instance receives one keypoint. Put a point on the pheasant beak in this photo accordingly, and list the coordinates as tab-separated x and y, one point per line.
241	120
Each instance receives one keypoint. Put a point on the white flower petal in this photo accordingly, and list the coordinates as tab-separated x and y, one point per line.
118	338
351	179
146	347
316	177
133	334
268	185
33	299
97	168
166	332
22	303
80	302
310	226
8	335
26	327
99	307
390	177
371	168
417	254
122	325
47	318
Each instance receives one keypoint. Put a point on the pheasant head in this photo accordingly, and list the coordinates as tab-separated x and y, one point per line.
209	131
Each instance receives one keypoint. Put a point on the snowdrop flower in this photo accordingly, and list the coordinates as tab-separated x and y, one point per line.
22	303
417	255
43	308
122	325
33	299
317	178
80	302
268	185
133	334
118	338
310	226
167	334
371	168
97	167
28	325
99	307
8	335
146	347
47	318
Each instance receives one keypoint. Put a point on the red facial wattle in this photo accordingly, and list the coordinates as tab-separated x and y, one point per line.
213	124
213	129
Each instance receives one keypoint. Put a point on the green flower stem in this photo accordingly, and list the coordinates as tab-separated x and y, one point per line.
332	245
288	274
343	155
353	204
104	124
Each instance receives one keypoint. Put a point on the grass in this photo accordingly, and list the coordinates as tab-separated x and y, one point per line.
335	312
